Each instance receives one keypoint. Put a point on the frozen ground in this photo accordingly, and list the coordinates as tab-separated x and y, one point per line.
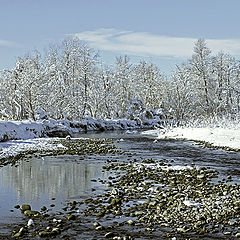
216	136
14	147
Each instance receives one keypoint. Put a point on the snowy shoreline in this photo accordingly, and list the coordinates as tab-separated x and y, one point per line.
14	147
20	136
17	137
16	130
219	137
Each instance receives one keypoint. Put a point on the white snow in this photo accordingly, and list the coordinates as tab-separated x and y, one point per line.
192	203
176	168
14	147
12	130
217	136
57	220
28	135
139	167
19	136
20	130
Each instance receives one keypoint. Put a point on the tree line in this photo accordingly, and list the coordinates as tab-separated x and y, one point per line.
69	81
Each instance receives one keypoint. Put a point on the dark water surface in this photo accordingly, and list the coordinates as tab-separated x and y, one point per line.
53	180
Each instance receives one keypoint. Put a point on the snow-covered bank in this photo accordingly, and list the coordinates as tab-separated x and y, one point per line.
13	130
20	136
215	136
15	147
20	130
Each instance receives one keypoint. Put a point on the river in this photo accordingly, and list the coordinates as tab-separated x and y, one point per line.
52	180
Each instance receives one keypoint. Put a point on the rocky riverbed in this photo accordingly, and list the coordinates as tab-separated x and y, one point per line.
143	199
146	198
64	146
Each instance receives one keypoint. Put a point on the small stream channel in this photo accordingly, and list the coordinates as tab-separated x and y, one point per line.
52	180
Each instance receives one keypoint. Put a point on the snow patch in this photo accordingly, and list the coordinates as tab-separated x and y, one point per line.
13	148
216	136
192	203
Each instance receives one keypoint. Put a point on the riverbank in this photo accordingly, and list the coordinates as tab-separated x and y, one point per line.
12	151
215	137
18	137
27	129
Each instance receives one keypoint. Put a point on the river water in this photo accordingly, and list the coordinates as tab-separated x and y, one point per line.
51	181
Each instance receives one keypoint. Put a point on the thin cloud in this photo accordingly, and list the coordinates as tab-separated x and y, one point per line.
5	43
142	43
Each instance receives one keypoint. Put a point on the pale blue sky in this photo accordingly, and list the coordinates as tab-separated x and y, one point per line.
162	31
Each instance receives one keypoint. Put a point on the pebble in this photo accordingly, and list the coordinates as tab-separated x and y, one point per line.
99	228
130	222
30	222
109	235
25	207
237	235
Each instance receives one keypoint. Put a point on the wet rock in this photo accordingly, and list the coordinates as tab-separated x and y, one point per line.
130	222
138	213
74	203
56	230
101	213
96	224
20	233
46	233
181	230
237	235
70	217
99	228
30	213
201	176
108	185
43	208
109	235
62	133
25	207
64	209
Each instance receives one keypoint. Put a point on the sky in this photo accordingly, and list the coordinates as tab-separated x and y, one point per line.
160	31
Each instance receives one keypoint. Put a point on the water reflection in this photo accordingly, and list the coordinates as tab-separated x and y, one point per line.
69	177
41	179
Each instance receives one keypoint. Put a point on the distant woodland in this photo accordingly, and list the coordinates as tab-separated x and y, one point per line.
70	82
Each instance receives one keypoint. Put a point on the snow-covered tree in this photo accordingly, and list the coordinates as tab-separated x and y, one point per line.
180	94
70	70
148	84
102	93
20	87
122	85
71	82
200	67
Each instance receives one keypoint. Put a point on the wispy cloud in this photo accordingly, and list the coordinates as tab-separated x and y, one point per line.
5	43
142	43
